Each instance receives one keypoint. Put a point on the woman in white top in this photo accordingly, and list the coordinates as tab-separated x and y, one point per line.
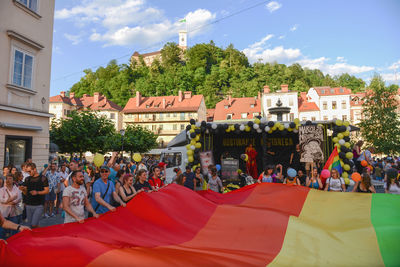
392	185
335	183
10	198
214	183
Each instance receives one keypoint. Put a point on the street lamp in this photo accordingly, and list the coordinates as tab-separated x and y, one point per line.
122	132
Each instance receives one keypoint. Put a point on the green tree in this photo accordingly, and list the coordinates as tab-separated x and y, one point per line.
171	55
380	125
82	131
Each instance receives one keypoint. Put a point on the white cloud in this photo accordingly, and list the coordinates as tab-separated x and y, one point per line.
75	39
391	77
255	52
294	27
273	6
395	66
130	22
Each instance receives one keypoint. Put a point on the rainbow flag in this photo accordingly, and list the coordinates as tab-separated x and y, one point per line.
258	225
334	162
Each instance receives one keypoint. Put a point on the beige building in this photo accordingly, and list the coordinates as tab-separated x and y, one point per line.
26	35
149	58
166	116
62	105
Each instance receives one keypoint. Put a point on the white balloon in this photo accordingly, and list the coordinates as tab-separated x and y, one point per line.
295	131
263	120
352	183
192	147
198	124
267	128
342	142
214	126
286	125
256	126
259	131
348	128
186	161
241	127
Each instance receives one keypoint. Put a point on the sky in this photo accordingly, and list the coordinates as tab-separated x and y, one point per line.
360	37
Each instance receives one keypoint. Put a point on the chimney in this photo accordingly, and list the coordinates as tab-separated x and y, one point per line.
188	94
163	103
71	95
96	97
180	96
62	93
266	89
230	100
138	98
284	88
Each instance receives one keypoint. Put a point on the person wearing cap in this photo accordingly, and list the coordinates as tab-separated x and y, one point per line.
392	185
103	192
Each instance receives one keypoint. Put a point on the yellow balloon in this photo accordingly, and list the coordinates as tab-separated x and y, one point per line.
346	181
193	142
188	146
346	167
277	124
290	129
197	138
346	133
297	121
189	152
340	136
346	123
349	155
137	157
246	158
335	139
345	175
191	130
339	122
98	159
190	159
193	126
273	128
257	121
297	126
347	144
281	127
198	145
247	128
270	131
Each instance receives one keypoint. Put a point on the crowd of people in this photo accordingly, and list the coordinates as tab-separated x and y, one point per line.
78	189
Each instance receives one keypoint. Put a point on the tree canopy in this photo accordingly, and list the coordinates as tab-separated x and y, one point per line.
203	69
380	126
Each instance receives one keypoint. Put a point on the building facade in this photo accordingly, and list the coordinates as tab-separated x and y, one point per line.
237	109
166	116
26	36
286	97
62	105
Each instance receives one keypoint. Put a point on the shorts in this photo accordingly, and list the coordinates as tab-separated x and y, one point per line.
33	214
308	166
51	196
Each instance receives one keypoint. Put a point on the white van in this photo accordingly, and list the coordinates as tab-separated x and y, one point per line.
175	156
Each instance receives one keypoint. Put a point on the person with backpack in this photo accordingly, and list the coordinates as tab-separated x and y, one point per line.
335	183
103	192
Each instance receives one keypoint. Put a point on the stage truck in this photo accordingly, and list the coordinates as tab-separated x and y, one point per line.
226	149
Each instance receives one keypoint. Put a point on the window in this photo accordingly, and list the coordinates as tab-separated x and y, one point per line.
65	112
161	127
182	127
332	91
344	106
167	115
252	105
226	106
22	69
268	102
291	116
146	116
344	117
290	101
153	127
324	105
229	116
244	115
182	116
175	127
341	90
161	116
172	159
334	105
112	116
31	4
175	115
325	118
17	150
322	91
313	118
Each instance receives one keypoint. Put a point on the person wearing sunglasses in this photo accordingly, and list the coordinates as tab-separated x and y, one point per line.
103	192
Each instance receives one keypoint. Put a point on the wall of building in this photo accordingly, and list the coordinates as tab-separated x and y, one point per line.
288	99
34	31
309	116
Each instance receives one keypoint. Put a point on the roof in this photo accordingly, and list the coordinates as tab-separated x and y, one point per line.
154	104
87	102
356	99
308	106
237	107
210	112
328	91
136	54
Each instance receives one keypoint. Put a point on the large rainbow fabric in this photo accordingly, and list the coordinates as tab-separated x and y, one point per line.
333	161
258	225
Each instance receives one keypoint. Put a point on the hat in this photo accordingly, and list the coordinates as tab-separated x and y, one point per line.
161	164
104	167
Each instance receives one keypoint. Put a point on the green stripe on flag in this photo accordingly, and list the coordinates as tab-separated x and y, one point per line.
385	217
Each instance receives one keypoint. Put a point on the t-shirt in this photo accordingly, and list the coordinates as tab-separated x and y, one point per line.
364	155
145	186
54	180
35	183
215	184
335	184
100	187
76	202
156	182
268	178
393	189
189	180
113	175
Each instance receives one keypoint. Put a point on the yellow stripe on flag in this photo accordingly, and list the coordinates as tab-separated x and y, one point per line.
333	229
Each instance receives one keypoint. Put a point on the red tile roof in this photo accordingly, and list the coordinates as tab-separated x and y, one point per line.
155	104
60	99
325	91
308	106
210	112
356	99
236	107
87	102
